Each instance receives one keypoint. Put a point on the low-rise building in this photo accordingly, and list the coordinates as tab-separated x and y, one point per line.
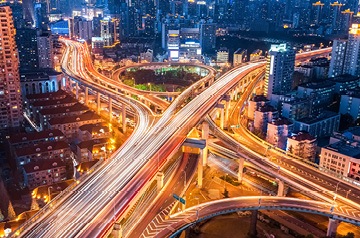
295	108
42	151
341	158
45	172
240	56
350	103
256	55
345	82
93	131
25	139
69	125
93	149
322	125
254	103
278	131
46	114
264	115
302	144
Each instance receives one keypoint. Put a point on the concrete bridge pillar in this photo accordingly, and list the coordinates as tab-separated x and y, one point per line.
117	231
205	136
123	117
241	161
221	107
200	173
281	186
98	103
252	231
86	96
332	227
77	90
227	109
110	109
160	181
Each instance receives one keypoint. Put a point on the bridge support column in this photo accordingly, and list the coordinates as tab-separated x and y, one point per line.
332	227
160	181
110	109
123	117
200	173
86	96
221	107
117	230
252	231
241	169
227	109
77	90
205	136
98	103
281	187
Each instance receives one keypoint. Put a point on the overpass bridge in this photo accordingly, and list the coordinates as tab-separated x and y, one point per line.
180	221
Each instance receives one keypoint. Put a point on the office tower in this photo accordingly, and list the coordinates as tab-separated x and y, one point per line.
208	36
109	30
80	28
337	58
45	50
317	12
335	16
26	39
352	54
41	19
10	96
279	70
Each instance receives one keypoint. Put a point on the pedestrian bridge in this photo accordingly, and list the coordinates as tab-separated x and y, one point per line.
180	221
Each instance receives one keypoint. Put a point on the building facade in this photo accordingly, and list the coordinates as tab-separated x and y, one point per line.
10	95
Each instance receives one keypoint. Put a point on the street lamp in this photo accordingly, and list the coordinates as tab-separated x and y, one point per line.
149	84
337	186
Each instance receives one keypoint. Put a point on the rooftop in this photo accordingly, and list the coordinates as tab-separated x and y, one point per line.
43	165
259	98
87	116
324	115
266	108
301	136
47	96
42	147
317	85
92	128
89	144
66	100
77	107
281	121
34	136
345	148
344	78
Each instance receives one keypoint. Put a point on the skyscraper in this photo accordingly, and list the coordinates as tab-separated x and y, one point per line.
10	96
345	56
337	58
352	54
279	70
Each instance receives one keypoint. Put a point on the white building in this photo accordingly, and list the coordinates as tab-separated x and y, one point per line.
240	56
303	145
352	55
254	103
279	71
278	131
337	58
264	115
341	158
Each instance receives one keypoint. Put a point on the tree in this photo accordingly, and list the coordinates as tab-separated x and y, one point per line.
349	235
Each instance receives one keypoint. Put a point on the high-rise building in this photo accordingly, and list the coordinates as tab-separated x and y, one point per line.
208	36
26	39
337	58
10	96
352	54
345	57
109	30
279	70
45	50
